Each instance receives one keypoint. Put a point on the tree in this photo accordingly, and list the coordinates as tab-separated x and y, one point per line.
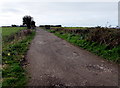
33	24
27	21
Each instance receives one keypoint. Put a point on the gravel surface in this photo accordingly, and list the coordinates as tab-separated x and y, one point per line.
55	62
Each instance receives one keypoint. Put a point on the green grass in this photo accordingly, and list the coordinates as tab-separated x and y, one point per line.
71	27
13	56
74	27
96	48
7	31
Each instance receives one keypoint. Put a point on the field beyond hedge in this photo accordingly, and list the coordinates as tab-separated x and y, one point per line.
7	31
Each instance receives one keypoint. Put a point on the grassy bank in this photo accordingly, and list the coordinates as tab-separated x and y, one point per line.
13	57
85	39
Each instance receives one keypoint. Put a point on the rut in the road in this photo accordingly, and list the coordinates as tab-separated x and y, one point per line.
55	62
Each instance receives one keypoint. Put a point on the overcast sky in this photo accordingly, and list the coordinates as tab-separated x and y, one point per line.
66	13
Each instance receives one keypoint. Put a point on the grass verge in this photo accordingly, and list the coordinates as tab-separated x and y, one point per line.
13	56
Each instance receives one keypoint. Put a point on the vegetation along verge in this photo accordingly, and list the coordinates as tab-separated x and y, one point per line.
13	57
104	42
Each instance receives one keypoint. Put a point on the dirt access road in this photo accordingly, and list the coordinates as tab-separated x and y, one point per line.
55	62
